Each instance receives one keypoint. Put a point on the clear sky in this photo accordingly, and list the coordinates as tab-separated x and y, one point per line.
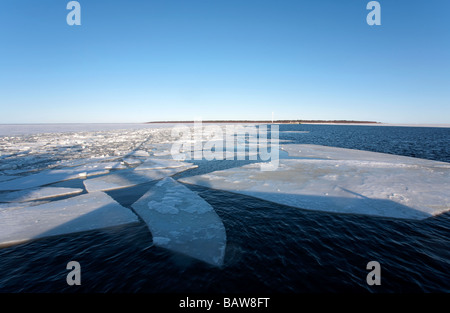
138	61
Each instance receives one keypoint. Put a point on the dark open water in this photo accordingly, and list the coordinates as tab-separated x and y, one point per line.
270	247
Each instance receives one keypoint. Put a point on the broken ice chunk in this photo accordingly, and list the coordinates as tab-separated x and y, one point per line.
5	177
40	179
182	221
81	213
20	205
153	163
131	161
38	194
129	178
139	153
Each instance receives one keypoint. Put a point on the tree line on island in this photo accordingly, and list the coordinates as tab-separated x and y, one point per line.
275	121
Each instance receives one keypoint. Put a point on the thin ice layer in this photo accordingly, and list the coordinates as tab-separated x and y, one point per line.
81	213
38	194
357	182
182	221
129	178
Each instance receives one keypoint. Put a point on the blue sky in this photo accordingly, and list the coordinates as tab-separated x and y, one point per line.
138	61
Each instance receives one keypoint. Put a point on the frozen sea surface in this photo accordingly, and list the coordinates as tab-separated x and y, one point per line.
270	246
342	181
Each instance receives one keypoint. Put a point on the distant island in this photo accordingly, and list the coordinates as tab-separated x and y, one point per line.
275	122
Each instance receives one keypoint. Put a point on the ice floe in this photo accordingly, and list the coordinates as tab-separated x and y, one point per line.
153	163
40	179
5	177
129	178
139	153
20	205
38	194
132	161
49	177
333	153
343	181
80	213
180	220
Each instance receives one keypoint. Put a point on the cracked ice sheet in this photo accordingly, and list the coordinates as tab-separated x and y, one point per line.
359	183
180	220
81	213
38	194
129	178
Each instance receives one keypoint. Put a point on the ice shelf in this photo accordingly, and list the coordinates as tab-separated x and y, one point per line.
38	194
343	181
182	221
80	213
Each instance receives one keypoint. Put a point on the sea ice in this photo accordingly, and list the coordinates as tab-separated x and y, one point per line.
5	177
80	213
129	178
139	153
132	161
343	181
46	177
83	161
20	205
38	194
40	179
182	221
333	153
153	163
